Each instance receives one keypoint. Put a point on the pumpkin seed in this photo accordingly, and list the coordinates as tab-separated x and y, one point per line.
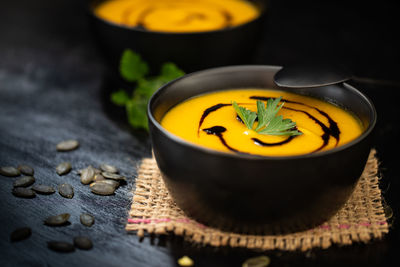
60	246
113	176
83	242
98	177
185	261
63	168
87	219
43	189
23	192
66	190
108	168
261	261
96	171
25	169
24	181
102	189
110	182
9	171
20	234
67	145
59	219
87	175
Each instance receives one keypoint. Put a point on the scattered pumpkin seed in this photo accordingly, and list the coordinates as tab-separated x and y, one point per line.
60	246
102	189
108	168
59	219
66	190
20	234
260	261
25	169
24	181
67	145
23	192
87	219
63	168
110	182
83	242
96	171
9	171
185	261
43	189
113	176
98	177
87	175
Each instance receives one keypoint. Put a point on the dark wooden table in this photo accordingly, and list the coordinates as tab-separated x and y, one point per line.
53	86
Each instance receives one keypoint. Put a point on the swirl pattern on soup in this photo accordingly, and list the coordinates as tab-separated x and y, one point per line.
209	120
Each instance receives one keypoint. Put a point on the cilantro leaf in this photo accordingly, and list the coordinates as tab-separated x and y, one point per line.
280	126
132	67
136	110
169	72
247	116
268	121
146	88
266	114
120	98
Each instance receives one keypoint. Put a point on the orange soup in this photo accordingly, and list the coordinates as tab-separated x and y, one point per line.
210	120
178	15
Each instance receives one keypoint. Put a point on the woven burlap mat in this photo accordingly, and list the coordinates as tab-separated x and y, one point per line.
360	220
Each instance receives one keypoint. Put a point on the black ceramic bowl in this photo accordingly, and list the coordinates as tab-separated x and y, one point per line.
250	193
190	51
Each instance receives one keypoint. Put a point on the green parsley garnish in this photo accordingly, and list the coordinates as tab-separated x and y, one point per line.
133	69
268	121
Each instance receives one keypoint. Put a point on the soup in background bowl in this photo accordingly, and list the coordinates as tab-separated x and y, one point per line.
252	193
179	15
207	40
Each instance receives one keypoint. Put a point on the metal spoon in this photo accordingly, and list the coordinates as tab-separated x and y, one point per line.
302	76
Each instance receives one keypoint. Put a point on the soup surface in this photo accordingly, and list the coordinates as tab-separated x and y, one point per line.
178	15
210	120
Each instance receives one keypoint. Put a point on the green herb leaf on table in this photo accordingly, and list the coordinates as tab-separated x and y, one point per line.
134	69
120	98
269	123
136	110
146	88
169	72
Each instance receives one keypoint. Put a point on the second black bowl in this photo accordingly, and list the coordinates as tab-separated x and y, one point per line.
190	51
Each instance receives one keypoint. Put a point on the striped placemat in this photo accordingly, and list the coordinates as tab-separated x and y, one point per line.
362	218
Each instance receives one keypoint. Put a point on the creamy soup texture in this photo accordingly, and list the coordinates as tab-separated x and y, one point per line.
210	120
178	15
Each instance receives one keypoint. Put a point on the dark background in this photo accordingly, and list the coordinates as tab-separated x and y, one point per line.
53	87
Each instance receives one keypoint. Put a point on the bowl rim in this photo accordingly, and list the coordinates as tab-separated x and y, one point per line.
206	150
93	3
